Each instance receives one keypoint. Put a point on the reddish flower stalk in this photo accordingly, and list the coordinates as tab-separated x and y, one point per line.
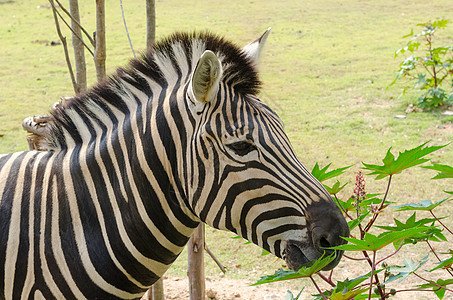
359	191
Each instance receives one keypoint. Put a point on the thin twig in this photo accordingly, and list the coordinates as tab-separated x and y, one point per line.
65	47
388	256
219	264
328	280
437	256
353	258
433	283
317	287
125	27
445	76
407	290
330	275
441	222
362	233
341	207
372	273
427	70
368	259
75	21
371	222
70	28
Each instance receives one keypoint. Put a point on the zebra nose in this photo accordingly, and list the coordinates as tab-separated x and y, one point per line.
324	238
328	226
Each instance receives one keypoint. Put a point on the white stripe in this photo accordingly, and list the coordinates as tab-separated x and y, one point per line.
162	157
4	172
109	137
180	57
78	226
53	287
30	276
165	65
13	241
38	295
110	191
156	90
198	47
162	239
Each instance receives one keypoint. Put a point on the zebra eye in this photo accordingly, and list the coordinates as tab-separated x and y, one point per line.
242	148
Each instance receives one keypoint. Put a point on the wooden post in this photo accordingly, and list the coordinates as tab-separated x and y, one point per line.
77	44
150	23
158	290
100	50
195	267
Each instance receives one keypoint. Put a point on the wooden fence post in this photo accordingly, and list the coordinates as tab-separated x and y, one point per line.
158	289
150	23
100	48
77	44
195	267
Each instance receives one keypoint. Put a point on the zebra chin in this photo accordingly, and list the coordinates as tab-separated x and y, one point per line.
296	254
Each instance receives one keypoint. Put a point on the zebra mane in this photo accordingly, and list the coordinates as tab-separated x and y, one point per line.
239	71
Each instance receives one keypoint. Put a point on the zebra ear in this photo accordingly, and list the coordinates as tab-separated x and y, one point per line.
206	77
253	50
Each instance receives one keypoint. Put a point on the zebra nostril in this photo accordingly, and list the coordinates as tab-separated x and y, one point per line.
323	240
324	243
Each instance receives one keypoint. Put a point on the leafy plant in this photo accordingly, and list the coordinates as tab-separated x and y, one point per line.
429	67
363	211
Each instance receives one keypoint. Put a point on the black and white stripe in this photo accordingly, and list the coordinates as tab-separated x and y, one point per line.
133	165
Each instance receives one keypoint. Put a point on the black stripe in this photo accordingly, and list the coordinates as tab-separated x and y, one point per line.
277	231
24	243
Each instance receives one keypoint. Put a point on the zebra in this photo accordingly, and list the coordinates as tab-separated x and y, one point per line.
175	138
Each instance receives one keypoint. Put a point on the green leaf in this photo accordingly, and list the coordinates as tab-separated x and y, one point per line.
425	205
405	160
445	171
305	271
240	237
322	175
410	223
408	35
440	292
441	23
265	252
347	294
403	271
347	205
336	188
371	242
421	83
447	263
347	289
431	232
370	199
290	296
354	223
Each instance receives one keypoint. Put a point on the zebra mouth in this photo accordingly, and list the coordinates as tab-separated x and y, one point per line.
294	256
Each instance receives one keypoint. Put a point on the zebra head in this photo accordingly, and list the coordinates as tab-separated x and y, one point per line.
245	176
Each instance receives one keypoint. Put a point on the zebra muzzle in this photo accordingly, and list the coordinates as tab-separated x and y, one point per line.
294	256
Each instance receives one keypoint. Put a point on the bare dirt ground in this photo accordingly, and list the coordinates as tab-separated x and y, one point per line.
176	288
223	289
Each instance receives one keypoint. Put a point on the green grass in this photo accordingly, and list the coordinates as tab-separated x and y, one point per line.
325	71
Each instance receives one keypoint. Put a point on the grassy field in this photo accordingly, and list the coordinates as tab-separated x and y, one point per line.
325	71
